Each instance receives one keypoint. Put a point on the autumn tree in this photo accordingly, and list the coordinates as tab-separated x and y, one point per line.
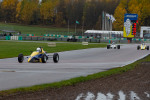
9	10
134	7
0	12
98	25
61	16
27	11
145	12
18	12
48	11
140	7
59	21
87	12
119	16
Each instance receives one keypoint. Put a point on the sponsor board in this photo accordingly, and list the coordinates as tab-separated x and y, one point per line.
130	21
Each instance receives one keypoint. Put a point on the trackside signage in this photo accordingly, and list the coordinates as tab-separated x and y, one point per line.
130	21
131	17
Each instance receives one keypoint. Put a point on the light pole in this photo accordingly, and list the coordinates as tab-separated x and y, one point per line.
68	26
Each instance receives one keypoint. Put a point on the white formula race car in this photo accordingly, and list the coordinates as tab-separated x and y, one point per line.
113	46
143	46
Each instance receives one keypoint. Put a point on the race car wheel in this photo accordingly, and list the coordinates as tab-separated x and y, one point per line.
44	58
118	46
108	46
20	58
147	47
138	47
55	57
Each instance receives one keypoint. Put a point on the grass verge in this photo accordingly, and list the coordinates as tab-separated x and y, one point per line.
12	48
74	81
37	29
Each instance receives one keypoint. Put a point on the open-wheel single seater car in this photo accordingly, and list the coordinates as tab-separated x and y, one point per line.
143	46
39	56
113	46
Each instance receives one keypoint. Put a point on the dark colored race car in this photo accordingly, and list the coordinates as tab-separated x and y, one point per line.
71	39
39	56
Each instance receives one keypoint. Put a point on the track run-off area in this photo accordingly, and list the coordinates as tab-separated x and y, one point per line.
71	64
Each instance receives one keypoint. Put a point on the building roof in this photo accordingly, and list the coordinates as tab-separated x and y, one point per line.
102	32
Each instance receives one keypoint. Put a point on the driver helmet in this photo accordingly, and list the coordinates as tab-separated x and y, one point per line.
143	43
38	49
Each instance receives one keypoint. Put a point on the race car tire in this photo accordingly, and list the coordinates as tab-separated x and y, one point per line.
68	40
118	46
147	47
55	57
44	58
138	47
108	46
20	58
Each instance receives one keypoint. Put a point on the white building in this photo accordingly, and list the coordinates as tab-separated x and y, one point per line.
102	33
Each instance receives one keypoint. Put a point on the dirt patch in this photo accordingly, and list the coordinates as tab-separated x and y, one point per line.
132	84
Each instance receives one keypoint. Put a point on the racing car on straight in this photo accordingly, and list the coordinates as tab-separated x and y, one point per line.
143	46
113	46
39	56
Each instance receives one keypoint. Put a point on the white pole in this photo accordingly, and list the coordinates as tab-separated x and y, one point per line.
103	20
82	27
75	28
68	26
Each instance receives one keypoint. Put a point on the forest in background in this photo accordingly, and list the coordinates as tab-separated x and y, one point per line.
60	13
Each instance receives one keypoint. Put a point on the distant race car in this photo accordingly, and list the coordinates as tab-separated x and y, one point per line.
113	46
39	56
143	46
71	39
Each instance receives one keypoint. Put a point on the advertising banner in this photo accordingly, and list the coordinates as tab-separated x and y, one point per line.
130	21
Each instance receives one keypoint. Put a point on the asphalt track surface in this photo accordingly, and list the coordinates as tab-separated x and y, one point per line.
72	64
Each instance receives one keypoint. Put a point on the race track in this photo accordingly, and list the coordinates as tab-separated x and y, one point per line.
72	64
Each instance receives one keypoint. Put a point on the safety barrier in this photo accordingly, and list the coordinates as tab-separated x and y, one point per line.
30	35
7	37
13	37
65	36
79	39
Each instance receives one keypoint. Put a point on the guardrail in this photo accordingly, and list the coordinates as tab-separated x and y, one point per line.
13	37
79	39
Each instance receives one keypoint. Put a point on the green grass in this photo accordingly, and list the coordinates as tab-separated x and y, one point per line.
10	49
74	81
37	30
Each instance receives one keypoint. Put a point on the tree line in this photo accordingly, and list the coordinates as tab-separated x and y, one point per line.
140	7
66	12
56	12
